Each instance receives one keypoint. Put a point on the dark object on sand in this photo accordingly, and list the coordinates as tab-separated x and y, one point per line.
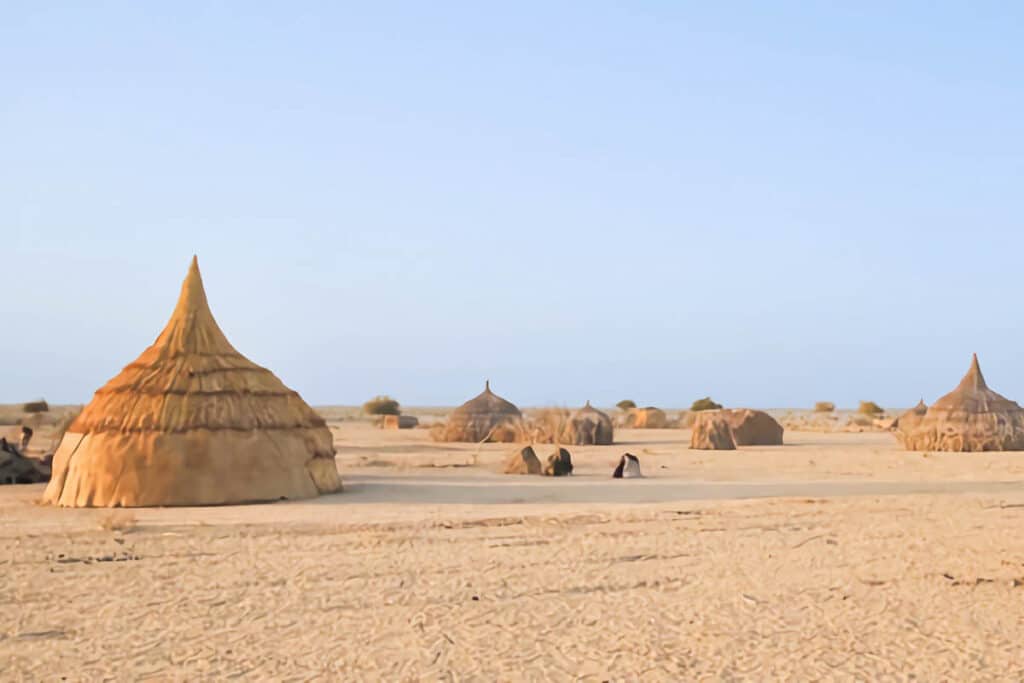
629	467
15	468
559	464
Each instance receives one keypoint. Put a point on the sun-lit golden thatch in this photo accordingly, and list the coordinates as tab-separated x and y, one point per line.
488	417
909	420
588	426
972	417
192	422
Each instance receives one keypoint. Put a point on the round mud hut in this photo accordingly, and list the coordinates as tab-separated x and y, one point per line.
970	418
192	422
588	426
488	417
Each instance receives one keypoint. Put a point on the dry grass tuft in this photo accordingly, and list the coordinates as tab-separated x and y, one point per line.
824	407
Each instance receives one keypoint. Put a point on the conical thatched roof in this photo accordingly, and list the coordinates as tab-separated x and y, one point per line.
192	422
909	420
588	426
487	417
972	417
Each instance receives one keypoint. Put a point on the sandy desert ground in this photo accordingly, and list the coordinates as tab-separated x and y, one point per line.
837	556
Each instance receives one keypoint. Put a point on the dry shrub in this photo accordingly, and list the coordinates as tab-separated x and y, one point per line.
382	405
870	408
824	407
704	404
625	405
40	406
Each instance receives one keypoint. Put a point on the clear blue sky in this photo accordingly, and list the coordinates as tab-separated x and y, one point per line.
769	202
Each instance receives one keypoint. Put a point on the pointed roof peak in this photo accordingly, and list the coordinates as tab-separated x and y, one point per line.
487	386
587	404
193	293
192	327
973	380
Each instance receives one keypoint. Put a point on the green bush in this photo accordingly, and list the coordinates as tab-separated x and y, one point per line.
705	404
39	406
824	407
381	405
625	404
870	408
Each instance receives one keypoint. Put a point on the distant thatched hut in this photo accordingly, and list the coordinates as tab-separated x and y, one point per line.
972	417
753	427
588	426
909	420
711	432
647	418
488	417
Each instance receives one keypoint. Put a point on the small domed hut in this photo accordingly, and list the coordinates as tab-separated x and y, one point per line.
588	426
487	417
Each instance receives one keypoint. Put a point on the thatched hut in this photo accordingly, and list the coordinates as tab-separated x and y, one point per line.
972	417
711	432
647	418
192	422
909	420
753	427
588	426
488	417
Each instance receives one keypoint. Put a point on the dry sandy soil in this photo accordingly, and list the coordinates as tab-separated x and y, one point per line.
838	556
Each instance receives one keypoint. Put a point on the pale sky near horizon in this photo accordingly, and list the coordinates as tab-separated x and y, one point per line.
770	203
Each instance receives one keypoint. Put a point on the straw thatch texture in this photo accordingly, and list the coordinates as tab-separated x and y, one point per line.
909	420
523	461
972	417
647	418
753	427
488	417
192	422
588	426
711	432
546	425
